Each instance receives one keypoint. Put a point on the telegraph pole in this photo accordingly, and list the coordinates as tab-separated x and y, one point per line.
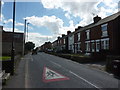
24	37
13	47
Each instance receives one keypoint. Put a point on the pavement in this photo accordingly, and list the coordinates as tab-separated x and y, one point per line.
97	65
48	71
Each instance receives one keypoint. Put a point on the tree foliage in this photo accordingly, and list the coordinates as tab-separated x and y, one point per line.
29	46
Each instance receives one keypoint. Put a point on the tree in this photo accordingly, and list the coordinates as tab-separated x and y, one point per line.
29	46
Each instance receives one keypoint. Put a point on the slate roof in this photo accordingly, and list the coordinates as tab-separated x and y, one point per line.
102	21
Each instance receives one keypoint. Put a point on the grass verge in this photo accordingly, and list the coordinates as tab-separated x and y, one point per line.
5	58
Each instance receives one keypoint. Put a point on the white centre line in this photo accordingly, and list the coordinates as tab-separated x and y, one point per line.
55	63
84	80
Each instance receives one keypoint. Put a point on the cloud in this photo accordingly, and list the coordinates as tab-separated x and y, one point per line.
75	8
67	15
36	38
53	23
11	29
39	39
8	21
19	24
11	21
2	3
83	8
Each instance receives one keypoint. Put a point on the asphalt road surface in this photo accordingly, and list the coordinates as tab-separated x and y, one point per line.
48	71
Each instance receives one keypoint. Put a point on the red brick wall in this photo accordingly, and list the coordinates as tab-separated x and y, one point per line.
75	38
95	33
82	40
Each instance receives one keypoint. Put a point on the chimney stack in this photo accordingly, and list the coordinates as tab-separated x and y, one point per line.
96	19
68	32
58	38
63	35
76	29
79	27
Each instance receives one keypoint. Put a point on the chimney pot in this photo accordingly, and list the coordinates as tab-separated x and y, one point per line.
68	32
63	35
96	19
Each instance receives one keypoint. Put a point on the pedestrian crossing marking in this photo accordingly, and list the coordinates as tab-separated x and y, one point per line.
51	75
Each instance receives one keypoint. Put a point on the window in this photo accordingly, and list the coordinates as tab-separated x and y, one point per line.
70	47
93	46
64	41
87	34
104	30
105	43
88	46
97	45
78	36
78	46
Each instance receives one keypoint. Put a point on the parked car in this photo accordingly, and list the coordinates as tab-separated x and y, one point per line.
34	51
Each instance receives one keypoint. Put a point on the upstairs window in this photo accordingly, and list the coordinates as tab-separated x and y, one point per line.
78	36
64	41
104	30
87	34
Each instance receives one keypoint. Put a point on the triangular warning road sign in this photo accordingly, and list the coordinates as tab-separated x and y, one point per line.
50	75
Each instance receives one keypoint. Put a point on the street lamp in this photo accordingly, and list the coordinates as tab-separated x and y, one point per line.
27	30
25	34
13	48
24	37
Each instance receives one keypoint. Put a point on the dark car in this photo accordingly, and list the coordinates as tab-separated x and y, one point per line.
34	52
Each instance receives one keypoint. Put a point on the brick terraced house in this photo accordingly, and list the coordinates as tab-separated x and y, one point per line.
102	34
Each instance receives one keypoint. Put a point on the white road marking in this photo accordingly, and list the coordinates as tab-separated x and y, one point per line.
55	63
50	74
84	80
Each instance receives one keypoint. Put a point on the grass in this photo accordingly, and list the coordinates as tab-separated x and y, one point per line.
5	58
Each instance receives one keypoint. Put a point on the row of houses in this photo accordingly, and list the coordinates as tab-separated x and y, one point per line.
102	34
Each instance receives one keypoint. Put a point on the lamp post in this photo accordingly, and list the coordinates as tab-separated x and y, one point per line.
13	48
27	29
24	37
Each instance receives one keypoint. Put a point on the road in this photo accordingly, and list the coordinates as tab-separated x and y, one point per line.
38	74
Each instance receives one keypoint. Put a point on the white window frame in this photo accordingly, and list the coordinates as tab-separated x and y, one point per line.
104	32
87	46
87	34
93	42
104	43
64	40
78	36
97	48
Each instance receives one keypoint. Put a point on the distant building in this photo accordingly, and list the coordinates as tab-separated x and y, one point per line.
7	42
46	46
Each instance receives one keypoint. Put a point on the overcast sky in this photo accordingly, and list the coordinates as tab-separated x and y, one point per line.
50	18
